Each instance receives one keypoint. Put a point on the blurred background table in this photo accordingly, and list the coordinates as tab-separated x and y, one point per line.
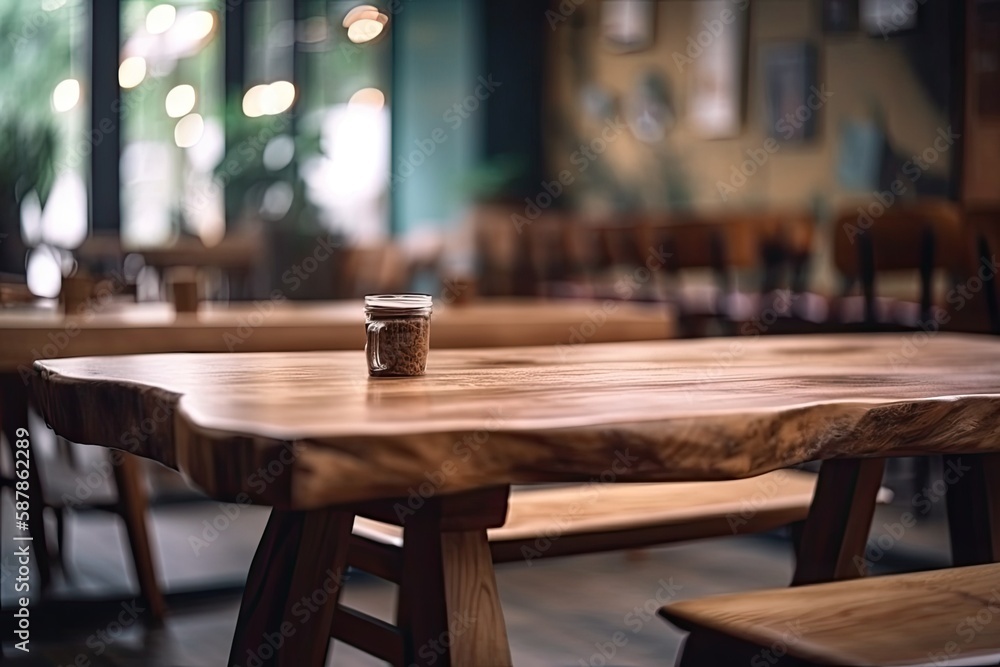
29	333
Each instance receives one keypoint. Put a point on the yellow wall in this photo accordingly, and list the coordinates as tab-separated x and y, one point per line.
855	68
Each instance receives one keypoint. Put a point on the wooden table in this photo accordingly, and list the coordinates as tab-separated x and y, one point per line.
311	435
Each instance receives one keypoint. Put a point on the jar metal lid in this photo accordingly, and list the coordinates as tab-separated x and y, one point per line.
398	304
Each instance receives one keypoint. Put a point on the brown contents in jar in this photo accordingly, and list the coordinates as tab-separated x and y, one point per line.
402	346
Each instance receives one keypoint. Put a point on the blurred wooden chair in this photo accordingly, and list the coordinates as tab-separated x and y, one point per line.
498	248
116	485
719	246
983	224
379	268
922	238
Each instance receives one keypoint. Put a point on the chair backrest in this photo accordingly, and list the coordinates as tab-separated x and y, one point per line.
923	236
984	225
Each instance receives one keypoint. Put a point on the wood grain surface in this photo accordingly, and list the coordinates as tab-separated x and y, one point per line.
907	619
309	429
27	334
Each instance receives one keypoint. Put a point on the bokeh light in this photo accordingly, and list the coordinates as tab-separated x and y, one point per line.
364	23
180	100
132	71
269	99
372	97
66	95
189	130
160	18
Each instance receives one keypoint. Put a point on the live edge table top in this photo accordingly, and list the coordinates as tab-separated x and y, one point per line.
304	430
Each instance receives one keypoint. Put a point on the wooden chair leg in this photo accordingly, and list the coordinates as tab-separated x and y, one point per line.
14	416
292	590
62	548
973	502
836	530
449	609
133	505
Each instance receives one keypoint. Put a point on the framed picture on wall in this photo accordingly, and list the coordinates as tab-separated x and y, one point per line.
717	81
884	18
627	25
840	16
791	96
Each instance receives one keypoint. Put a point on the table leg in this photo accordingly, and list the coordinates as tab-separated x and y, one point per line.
836	531
292	590
449	608
973	502
14	415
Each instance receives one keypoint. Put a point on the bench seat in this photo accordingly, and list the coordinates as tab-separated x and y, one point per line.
588	518
944	617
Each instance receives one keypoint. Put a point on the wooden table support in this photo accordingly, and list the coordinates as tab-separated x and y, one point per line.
973	502
449	608
292	590
835	533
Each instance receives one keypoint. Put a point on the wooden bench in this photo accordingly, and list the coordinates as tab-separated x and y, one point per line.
588	518
543	522
925	618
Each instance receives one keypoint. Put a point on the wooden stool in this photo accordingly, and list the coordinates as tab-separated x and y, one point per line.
905	619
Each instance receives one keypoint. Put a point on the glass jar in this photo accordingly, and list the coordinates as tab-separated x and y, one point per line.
398	329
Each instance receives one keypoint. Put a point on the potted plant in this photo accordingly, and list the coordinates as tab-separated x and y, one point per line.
27	155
